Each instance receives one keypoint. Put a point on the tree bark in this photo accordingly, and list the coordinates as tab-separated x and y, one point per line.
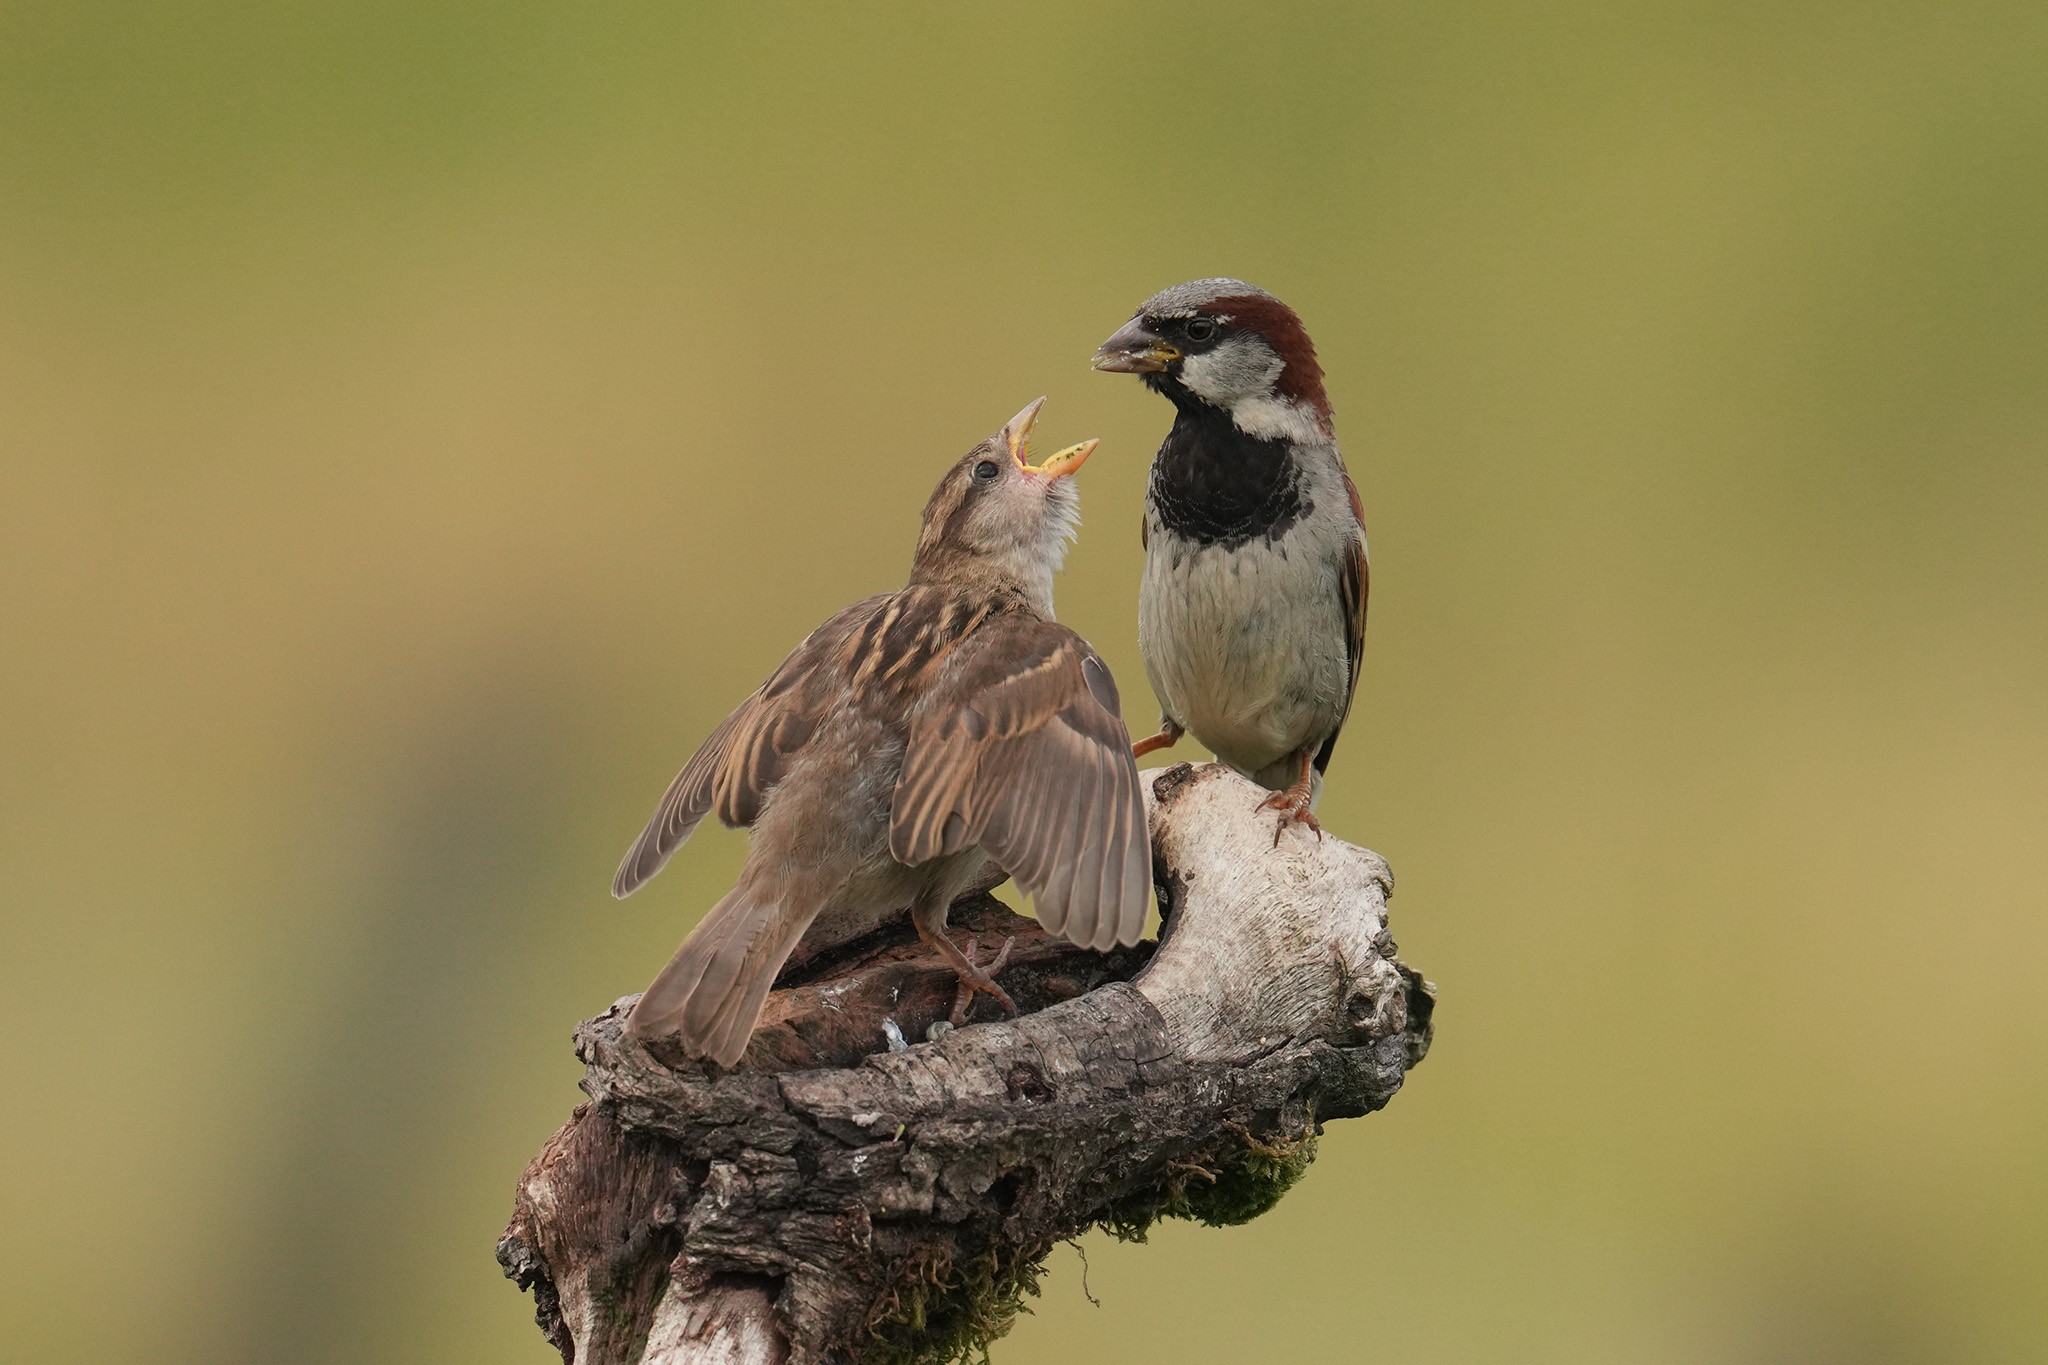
852	1192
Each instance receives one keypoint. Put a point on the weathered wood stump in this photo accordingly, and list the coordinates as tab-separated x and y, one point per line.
854	1193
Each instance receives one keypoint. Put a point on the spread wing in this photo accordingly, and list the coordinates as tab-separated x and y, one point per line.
1354	583
748	753
1020	747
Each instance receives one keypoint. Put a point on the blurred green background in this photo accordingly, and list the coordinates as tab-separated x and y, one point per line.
420	422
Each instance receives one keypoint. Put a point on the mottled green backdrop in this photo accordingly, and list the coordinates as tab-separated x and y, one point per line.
420	421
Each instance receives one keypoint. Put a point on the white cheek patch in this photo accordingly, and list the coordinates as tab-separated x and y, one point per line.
1239	368
1239	375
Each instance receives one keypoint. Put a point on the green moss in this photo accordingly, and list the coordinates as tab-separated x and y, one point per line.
942	1314
1244	1183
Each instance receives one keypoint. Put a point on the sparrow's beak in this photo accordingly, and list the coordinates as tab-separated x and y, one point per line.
1016	438
1065	462
1134	350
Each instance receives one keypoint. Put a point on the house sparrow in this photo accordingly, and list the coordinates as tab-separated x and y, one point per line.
1252	613
910	740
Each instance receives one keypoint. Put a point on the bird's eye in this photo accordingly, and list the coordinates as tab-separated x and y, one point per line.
1201	329
985	471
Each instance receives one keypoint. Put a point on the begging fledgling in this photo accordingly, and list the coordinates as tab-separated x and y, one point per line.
908	741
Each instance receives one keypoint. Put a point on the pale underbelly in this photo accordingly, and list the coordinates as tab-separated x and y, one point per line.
1246	650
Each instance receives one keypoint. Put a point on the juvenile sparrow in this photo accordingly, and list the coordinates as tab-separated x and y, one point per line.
1251	616
908	741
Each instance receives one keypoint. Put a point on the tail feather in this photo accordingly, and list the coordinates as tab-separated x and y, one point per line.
728	969
733	1024
711	992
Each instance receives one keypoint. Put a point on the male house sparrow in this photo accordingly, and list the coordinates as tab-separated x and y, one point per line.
909	740
1252	613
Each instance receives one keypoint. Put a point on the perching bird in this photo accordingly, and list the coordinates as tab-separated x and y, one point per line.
1251	617
909	740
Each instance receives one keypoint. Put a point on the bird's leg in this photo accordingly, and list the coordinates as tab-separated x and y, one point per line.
930	920
963	994
1293	802
1170	731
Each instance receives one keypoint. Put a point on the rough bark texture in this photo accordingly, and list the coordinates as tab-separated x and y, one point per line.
843	1196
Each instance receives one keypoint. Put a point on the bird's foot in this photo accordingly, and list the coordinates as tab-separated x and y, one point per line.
974	977
1293	807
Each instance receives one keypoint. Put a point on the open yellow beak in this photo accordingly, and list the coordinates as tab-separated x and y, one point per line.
1017	437
1065	462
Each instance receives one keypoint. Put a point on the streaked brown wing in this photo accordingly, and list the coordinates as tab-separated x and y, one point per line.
1020	747
735	769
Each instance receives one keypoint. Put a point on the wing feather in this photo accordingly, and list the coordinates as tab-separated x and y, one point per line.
1057	844
1020	747
1354	588
738	766
685	803
1109	878
1355	585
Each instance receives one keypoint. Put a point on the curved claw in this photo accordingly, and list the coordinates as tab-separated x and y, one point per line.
976	978
1292	812
1293	801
